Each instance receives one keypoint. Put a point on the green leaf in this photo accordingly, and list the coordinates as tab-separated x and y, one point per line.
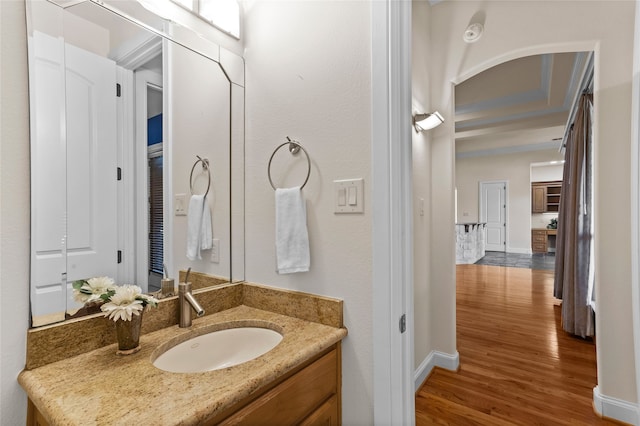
107	296
79	283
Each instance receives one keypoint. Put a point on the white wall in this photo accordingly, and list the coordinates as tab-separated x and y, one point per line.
607	27
14	210
513	168
308	67
421	183
546	172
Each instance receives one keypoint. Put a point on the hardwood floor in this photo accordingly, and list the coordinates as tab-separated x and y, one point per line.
517	366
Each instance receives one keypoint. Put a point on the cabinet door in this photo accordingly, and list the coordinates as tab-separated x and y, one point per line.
34	417
294	399
325	415
538	199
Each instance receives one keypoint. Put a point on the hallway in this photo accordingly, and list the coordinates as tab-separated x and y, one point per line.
517	366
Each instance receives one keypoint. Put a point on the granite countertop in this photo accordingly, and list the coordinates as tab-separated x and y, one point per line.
102	388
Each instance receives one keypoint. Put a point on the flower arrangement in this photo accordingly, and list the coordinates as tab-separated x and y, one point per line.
117	302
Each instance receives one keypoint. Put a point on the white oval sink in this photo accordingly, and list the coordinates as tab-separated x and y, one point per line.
218	349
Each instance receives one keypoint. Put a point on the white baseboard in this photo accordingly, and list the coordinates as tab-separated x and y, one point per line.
615	408
518	250
435	359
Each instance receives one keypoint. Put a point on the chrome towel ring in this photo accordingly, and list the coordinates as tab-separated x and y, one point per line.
205	166
294	148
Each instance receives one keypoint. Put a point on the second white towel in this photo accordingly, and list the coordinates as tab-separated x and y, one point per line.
292	238
199	233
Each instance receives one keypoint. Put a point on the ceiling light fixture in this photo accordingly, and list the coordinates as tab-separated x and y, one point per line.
427	121
473	33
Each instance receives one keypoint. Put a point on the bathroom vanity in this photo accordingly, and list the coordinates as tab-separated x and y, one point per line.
297	382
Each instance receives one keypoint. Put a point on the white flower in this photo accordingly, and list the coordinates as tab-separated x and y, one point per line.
123	303
148	301
92	289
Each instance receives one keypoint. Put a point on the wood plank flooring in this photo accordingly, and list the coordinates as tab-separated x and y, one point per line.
517	366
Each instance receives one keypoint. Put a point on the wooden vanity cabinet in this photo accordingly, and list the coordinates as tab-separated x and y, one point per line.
34	416
310	396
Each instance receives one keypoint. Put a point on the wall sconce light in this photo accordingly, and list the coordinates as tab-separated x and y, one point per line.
427	121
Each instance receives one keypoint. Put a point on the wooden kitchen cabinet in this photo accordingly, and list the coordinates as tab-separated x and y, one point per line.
545	196
539	241
538	198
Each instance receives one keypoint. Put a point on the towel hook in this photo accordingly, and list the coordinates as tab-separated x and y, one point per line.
205	166
294	148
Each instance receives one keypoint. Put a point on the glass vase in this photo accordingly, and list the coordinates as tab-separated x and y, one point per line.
128	333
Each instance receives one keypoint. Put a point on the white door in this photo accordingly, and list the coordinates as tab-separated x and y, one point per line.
48	178
493	212
73	210
92	170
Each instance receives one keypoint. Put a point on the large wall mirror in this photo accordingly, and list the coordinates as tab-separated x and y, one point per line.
131	115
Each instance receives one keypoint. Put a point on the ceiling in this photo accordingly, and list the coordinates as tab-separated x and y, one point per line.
517	106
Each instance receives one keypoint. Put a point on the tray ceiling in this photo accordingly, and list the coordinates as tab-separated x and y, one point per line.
520	105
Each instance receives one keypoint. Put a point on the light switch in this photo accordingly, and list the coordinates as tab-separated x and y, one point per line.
180	205
353	196
349	195
215	251
342	196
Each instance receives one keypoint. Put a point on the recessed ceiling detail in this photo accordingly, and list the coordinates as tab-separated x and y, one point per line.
526	94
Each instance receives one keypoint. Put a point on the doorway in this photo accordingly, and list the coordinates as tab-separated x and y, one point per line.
149	177
493	212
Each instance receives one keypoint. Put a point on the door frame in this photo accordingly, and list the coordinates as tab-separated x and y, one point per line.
143	80
392	221
482	202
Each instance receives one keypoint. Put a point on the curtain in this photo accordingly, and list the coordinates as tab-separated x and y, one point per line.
573	279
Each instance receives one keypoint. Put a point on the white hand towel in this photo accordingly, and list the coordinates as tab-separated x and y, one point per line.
198	225
292	239
206	233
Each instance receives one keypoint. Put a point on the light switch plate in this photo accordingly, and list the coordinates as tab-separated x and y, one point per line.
349	196
180	205
215	251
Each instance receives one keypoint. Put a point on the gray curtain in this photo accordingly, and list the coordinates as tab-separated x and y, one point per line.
574	267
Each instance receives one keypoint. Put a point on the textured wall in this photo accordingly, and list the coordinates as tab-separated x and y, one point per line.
14	210
308	77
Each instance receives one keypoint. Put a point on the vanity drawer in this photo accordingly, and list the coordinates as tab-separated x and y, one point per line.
310	395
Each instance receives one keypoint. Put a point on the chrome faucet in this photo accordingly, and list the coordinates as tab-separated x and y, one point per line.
186	302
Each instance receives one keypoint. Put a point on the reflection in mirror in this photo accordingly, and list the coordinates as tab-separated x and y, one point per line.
118	118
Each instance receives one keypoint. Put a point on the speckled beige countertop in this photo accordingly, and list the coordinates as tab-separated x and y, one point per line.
101	388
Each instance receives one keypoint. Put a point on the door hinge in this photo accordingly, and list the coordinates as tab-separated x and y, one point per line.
119	256
118	90
119	172
403	323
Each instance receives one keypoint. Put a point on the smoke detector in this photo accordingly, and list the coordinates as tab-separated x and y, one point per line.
473	33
